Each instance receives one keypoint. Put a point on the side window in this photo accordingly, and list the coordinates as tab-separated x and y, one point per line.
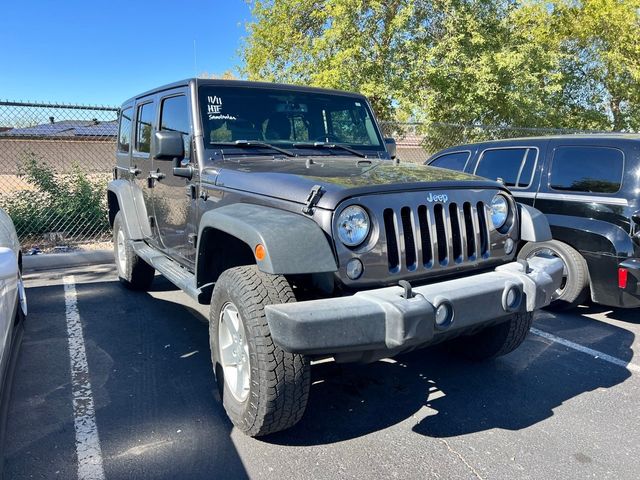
174	115
513	165
452	161
587	169
144	125
124	131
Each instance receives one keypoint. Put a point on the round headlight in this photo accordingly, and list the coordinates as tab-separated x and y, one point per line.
499	211
353	225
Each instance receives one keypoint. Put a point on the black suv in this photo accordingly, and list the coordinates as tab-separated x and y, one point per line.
588	187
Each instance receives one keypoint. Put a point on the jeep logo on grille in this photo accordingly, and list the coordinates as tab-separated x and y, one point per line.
442	198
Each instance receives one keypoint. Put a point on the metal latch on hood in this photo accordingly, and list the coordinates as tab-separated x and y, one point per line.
312	199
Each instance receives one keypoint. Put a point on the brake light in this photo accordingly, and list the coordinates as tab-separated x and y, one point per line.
623	274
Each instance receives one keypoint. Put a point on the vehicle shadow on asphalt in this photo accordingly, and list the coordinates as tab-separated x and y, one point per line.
438	394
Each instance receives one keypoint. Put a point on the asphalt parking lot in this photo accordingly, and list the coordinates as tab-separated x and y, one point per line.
564	405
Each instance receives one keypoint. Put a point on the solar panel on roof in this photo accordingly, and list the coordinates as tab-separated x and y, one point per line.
109	129
66	128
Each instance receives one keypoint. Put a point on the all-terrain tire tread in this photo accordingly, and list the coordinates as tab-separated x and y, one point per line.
283	379
497	340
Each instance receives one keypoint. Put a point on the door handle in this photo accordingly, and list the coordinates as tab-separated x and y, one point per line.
154	177
135	171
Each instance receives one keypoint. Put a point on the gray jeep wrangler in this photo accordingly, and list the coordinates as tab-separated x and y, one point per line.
284	209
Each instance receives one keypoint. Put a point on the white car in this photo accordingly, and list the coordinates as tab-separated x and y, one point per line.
13	301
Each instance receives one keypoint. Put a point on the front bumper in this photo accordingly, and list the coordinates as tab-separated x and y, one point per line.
384	319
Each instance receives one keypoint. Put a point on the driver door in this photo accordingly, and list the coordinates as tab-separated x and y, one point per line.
174	198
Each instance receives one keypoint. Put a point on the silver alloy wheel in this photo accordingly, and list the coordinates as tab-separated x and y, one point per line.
565	272
121	254
234	352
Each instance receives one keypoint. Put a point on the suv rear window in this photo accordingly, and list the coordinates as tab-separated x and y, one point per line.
513	165
587	169
452	161
144	122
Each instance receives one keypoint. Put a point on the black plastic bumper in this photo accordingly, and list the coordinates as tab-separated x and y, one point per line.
386	319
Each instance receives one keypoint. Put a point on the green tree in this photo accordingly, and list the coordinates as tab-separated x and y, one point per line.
557	63
346	44
602	38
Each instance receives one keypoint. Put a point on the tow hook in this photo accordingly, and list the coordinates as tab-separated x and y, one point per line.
408	293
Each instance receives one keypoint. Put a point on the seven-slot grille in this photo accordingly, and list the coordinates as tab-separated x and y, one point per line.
435	235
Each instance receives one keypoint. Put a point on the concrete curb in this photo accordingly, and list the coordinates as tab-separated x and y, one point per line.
51	261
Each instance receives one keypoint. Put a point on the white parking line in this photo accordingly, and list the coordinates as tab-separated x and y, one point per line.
632	367
87	441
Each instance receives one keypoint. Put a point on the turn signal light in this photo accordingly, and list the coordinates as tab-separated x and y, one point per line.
261	252
623	274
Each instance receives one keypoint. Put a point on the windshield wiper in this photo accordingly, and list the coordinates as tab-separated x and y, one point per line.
328	145
251	144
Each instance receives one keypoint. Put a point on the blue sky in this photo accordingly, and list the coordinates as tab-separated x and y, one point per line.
103	52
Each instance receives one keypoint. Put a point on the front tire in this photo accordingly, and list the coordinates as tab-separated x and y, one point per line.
263	388
133	271
497	340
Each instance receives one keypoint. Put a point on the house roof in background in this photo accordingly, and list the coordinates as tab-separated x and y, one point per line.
66	128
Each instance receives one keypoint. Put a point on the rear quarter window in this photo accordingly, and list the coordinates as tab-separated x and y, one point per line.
587	169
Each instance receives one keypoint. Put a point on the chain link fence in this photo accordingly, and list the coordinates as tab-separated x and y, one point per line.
56	160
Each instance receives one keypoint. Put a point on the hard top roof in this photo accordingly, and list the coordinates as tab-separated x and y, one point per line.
580	138
240	83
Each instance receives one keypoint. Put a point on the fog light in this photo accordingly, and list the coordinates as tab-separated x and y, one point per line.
508	246
354	268
444	314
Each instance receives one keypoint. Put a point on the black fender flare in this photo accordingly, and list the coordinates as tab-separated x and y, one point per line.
534	226
294	244
129	200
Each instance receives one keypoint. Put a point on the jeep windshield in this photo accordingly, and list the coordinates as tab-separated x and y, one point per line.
303	122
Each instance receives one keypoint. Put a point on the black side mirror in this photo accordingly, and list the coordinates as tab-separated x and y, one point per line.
391	147
169	145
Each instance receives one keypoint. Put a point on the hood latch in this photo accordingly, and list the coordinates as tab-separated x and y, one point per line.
312	199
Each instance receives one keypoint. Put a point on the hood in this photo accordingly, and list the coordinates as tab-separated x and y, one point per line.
340	177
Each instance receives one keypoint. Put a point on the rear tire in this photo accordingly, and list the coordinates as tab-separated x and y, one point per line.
497	340
266	388
133	271
574	288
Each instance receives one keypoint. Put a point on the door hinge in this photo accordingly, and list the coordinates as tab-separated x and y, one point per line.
152	222
192	238
312	199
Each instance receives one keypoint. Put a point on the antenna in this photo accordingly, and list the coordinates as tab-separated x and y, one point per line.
195	60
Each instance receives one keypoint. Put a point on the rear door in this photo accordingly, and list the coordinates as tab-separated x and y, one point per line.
583	180
145	121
